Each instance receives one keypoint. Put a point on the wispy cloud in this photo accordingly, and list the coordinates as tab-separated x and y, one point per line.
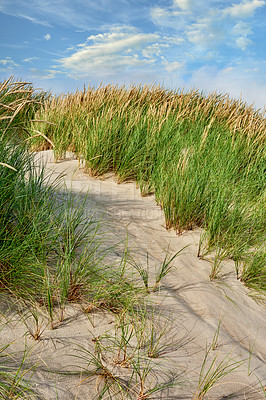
186	5
30	18
207	32
168	17
8	62
172	66
46	13
14	46
195	7
242	29
44	74
81	14
30	59
243	42
113	51
123	50
244	9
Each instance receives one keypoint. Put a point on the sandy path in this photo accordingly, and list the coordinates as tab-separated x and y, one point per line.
186	296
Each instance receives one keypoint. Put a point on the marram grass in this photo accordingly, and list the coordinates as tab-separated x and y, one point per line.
202	156
203	159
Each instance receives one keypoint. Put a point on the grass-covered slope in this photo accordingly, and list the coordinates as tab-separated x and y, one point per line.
203	157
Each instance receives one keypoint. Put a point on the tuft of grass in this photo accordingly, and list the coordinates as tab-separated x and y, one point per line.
119	367
13	381
166	267
34	319
253	270
215	339
211	373
158	338
161	272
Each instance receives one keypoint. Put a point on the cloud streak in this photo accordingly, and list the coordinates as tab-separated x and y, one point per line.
8	62
30	59
81	14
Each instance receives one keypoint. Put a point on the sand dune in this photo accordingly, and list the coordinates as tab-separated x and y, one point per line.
192	304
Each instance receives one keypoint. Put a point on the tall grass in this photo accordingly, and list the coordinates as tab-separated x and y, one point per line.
18	104
202	156
13	383
24	209
50	251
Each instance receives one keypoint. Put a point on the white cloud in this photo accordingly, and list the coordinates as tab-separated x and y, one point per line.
8	62
242	29
208	32
113	51
47	36
5	61
30	59
194	7
30	18
44	74
174	40
242	42
244	9
159	13
154	49
168	17
185	4
172	66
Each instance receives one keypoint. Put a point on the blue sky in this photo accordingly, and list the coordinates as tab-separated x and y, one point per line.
206	44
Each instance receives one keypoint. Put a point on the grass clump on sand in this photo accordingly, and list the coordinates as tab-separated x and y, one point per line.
13	382
202	156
